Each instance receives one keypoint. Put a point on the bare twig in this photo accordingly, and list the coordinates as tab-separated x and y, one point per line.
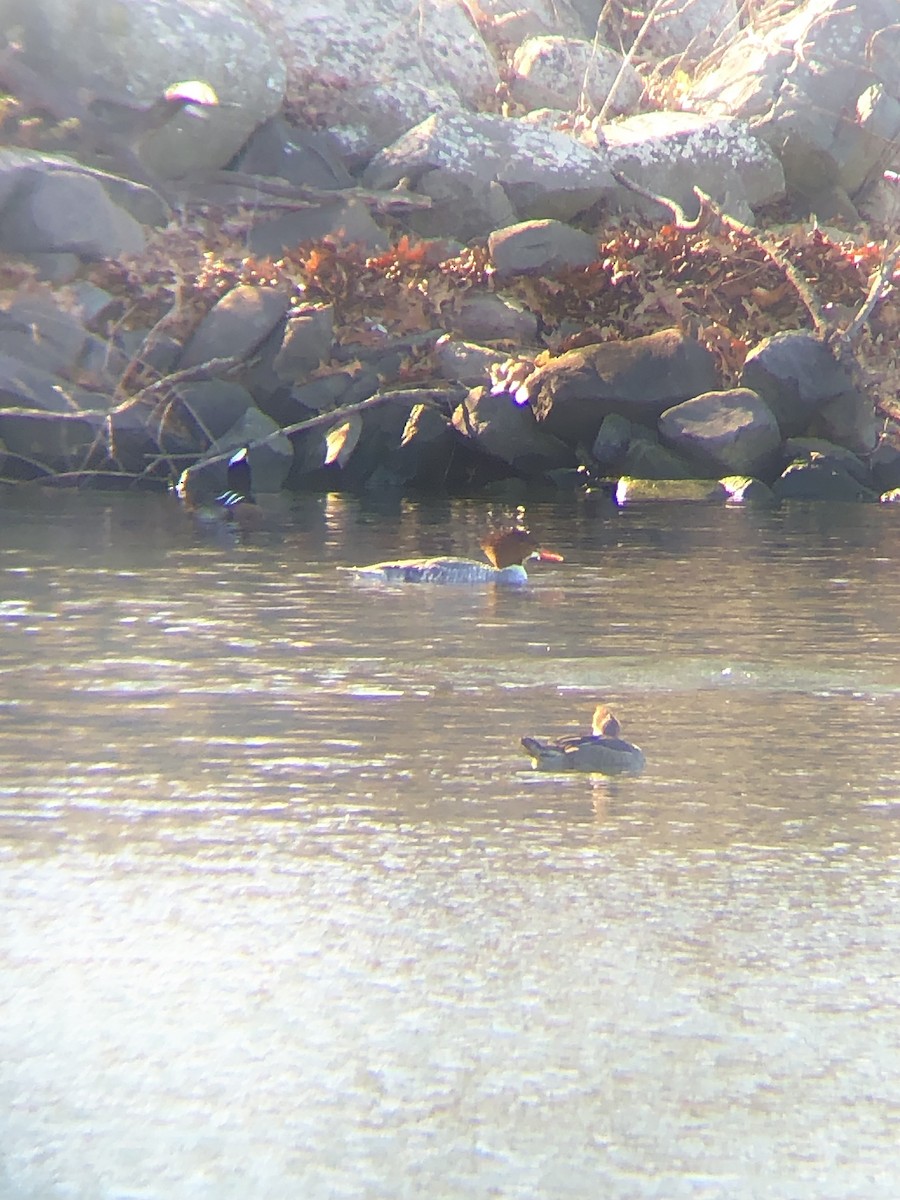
410	396
298	196
881	282
628	58
679	216
710	213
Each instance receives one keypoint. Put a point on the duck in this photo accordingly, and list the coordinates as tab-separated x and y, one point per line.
238	481
507	550
601	751
236	507
237	504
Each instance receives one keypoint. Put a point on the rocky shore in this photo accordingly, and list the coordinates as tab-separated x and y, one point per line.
461	244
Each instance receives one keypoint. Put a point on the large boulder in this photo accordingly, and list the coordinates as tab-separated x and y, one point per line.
64	211
532	247
572	74
686	30
498	427
236	325
810	391
730	432
132	52
672	153
368	72
506	23
639	379
542	172
34	444
817	478
821	85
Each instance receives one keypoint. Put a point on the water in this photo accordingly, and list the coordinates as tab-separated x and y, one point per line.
286	913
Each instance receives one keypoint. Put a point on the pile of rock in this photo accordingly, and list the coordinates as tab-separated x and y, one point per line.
495	121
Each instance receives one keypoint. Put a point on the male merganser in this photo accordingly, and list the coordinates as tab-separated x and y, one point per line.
506	550
602	750
235	507
237	503
238	482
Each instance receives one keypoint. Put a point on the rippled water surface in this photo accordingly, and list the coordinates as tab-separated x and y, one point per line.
287	914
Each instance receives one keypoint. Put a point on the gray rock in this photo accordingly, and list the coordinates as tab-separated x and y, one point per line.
91	302
543	172
48	443
498	427
850	420
821	85
818	450
215	405
52	330
511	22
132	53
424	456
131	445
66	211
572	74
646	459
56	267
797	375
307	342
819	480
632	488
101	366
612	440
346	222
306	157
885	465
688	30
732	431
23	385
490	318
743	489
236	325
381	431
330	391
540	246
639	379
464	207
159	351
466	362
368	72
672	153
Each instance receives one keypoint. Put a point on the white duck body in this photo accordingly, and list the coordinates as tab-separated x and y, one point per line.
507	550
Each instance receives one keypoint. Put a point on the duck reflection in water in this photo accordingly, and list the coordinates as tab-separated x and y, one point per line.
601	751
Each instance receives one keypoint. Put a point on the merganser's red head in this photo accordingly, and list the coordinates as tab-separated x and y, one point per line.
604	723
512	546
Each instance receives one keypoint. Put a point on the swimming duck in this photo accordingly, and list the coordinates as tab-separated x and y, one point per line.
237	503
238	482
601	751
505	549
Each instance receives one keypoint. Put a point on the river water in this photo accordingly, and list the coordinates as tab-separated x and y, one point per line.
286	913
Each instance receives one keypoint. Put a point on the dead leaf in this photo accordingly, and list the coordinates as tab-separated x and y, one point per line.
340	441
